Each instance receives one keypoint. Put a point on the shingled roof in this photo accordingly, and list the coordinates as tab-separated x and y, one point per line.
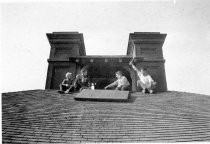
44	116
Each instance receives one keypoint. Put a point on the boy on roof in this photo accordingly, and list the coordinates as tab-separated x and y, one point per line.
145	80
82	81
67	85
121	83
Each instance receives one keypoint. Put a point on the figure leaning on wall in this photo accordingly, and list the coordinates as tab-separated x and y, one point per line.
145	80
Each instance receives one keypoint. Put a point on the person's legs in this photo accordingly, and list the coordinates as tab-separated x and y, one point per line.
70	89
112	88
81	89
125	88
63	88
77	87
152	87
118	88
143	86
60	86
84	87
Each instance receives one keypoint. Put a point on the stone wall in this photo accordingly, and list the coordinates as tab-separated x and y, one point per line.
63	45
148	45
68	55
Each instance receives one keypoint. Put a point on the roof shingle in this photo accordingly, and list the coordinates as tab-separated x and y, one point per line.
44	116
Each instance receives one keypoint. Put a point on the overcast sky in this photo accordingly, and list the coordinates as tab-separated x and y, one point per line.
106	26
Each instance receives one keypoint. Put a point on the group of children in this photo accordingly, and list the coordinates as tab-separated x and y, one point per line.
82	81
79	83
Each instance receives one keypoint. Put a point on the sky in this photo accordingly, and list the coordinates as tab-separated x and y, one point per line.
106	26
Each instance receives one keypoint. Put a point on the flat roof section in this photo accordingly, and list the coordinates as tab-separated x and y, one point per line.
102	95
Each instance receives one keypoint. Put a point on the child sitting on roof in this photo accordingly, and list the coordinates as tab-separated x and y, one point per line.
82	81
67	85
121	83
145	80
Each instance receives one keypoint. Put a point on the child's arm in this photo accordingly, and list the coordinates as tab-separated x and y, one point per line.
111	85
64	82
134	67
